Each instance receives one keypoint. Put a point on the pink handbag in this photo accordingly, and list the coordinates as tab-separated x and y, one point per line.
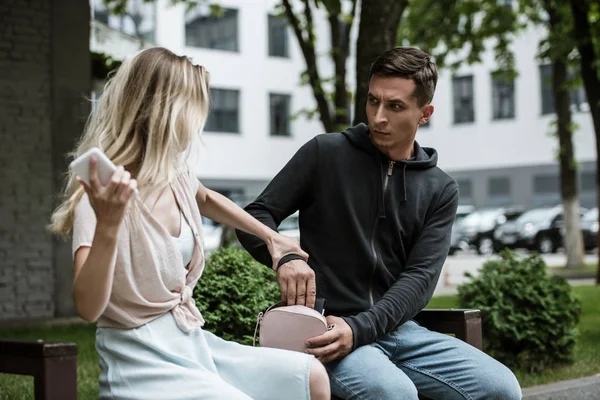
288	327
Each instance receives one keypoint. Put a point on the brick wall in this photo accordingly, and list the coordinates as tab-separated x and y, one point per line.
32	80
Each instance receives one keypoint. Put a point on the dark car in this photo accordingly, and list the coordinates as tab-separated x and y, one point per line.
455	240
477	229
589	229
539	229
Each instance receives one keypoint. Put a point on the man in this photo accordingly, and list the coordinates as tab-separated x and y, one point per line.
375	217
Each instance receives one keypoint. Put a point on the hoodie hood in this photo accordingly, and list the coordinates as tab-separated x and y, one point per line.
358	135
424	158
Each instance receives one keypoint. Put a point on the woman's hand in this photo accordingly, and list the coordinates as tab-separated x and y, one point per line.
280	245
109	202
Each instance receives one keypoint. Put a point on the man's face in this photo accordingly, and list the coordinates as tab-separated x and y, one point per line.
393	113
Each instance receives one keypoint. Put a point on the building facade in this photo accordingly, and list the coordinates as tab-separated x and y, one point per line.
493	135
255	70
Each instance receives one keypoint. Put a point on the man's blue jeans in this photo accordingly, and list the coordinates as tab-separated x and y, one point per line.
412	358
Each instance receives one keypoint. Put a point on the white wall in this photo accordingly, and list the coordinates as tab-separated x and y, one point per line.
486	143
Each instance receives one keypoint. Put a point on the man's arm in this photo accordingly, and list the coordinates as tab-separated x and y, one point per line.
414	288
286	193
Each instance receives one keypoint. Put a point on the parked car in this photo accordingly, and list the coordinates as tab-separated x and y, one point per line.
477	229
462	211
289	226
589	229
538	229
212	235
455	239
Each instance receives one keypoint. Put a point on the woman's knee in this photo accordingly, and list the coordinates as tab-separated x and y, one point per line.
319	381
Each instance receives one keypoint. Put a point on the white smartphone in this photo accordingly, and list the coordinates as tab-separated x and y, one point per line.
81	166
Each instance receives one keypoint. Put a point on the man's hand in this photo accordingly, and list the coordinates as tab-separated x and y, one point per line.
333	344
297	283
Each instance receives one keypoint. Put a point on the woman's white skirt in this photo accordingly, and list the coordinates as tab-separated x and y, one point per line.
159	361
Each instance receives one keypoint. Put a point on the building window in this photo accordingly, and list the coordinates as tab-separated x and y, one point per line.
546	190
206	30
588	182
280	114
465	190
587	194
100	14
499	191
578	98
462	88
278	37
224	113
503	97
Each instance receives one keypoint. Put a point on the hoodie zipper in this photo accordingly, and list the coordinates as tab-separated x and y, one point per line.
390	171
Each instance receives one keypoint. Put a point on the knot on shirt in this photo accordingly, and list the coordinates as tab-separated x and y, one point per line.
186	294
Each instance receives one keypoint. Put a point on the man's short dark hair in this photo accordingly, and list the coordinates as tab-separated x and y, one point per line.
409	63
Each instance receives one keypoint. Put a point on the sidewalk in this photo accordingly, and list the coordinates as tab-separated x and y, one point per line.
587	388
450	290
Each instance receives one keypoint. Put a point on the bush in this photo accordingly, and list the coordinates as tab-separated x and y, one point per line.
233	289
530	317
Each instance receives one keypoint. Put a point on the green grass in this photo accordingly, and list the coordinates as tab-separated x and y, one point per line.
586	271
587	350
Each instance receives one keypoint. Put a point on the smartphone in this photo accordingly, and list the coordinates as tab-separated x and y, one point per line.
81	166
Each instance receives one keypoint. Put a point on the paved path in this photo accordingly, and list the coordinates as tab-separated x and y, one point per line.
456	266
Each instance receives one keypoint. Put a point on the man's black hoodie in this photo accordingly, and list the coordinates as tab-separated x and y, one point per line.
377	231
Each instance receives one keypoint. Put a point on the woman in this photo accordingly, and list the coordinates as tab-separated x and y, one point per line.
138	254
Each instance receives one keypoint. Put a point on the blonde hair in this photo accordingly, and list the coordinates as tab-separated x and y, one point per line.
150	114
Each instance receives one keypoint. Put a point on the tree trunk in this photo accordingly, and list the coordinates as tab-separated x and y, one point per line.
378	28
590	63
573	241
307	45
228	237
340	49
339	55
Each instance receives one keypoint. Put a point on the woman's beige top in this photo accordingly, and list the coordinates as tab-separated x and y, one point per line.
149	280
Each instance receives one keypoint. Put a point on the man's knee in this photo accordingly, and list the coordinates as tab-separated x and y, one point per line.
403	389
501	384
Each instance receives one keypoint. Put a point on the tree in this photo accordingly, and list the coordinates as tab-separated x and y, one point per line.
587	37
377	31
457	32
333	114
559	26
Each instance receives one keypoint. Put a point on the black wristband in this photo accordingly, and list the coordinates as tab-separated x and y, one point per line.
288	258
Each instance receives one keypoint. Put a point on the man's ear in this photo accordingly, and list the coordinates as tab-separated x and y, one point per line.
427	112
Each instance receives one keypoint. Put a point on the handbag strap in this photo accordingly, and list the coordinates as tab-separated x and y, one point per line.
259	319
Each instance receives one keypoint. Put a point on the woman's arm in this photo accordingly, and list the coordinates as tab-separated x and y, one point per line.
220	209
94	272
95	265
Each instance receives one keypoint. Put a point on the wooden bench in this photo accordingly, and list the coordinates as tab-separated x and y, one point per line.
53	366
463	324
